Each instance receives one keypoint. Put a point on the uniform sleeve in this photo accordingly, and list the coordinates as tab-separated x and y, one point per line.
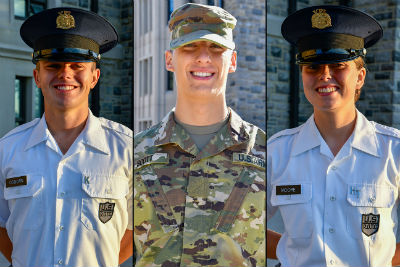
4	210
130	203
270	209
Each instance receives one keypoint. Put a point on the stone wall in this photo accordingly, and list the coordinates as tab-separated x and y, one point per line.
246	87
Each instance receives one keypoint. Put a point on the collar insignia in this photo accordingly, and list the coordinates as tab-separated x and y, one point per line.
65	20
320	19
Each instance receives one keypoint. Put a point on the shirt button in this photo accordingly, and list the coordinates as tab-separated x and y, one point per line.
332	261
60	261
331	230
332	198
61	228
334	168
371	199
62	194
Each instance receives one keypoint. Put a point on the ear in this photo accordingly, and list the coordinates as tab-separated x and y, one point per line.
361	78
36	77
232	67
95	77
168	61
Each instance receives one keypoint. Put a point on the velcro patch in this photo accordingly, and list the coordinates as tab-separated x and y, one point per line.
249	160
16	181
288	190
151	159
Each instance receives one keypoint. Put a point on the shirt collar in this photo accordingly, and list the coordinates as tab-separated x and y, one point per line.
171	132
92	135
307	137
364	138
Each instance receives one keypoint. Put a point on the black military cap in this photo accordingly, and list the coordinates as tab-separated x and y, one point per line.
68	35
327	34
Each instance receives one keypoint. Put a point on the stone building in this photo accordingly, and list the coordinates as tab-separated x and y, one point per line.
380	98
154	88
112	98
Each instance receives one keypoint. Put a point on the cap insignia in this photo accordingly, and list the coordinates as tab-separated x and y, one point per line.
65	20
320	19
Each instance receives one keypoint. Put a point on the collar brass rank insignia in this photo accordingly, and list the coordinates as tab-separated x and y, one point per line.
320	19
65	20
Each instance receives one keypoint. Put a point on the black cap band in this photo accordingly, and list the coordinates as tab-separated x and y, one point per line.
66	55
65	40
330	40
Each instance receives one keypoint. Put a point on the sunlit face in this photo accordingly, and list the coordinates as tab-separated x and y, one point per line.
332	87
201	68
66	85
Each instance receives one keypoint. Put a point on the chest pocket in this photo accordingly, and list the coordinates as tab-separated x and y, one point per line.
103	200
296	210
26	203
370	210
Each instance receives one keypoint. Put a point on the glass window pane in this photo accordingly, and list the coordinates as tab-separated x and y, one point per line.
17	99
38	102
19	8
36	8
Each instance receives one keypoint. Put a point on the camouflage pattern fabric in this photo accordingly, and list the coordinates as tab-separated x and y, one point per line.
196	22
200	208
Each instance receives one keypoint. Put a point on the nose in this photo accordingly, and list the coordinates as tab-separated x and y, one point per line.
203	55
65	72
325	72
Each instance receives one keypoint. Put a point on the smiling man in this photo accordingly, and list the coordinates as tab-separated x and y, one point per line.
199	174
66	179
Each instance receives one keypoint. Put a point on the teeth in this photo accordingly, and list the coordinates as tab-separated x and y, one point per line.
326	90
202	74
66	87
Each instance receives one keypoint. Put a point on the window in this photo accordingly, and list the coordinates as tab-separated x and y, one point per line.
170	8
145	67
143	125
170	81
28	100
19	100
219	3
145	16
26	8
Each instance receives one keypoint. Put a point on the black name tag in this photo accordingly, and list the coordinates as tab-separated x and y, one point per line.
16	181
288	189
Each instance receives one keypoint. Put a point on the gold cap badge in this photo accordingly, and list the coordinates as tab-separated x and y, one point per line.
320	19
65	20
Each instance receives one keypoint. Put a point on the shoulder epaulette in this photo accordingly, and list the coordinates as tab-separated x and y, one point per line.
21	128
122	129
285	132
386	130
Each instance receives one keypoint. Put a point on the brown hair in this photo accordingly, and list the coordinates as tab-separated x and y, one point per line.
360	63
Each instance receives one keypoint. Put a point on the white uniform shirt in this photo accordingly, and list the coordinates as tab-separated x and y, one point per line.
66	210
340	197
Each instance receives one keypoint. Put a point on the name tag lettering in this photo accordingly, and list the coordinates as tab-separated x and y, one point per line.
288	189
16	181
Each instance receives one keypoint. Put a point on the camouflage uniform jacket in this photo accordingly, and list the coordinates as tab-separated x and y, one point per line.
200	208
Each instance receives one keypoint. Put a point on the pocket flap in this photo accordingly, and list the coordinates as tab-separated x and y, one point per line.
105	186
288	199
370	195
34	184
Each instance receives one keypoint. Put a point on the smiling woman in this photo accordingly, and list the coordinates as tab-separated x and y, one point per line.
339	170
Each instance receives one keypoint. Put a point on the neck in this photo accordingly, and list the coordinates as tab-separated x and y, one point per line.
194	112
335	128
65	126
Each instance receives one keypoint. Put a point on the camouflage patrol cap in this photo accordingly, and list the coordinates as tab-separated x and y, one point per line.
195	22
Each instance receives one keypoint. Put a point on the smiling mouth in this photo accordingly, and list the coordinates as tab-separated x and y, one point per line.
65	87
327	89
201	74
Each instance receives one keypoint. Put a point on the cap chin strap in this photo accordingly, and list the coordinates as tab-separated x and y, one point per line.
78	55
315	56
